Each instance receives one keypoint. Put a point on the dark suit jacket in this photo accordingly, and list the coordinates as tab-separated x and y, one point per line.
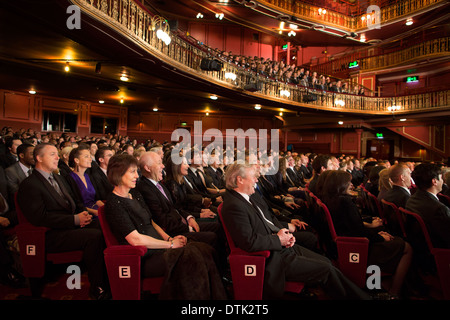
14	176
43	206
196	182
163	211
307	174
435	214
182	200
294	177
216	177
398	196
250	233
100	182
7	160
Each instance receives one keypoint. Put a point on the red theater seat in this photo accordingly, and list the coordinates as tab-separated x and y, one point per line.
32	251
441	255
247	270
123	264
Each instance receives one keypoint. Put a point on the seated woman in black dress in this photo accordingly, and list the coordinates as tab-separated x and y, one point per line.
392	254
176	183
193	273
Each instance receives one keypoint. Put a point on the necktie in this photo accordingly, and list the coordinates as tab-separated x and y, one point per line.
200	175
55	185
30	171
160	188
269	223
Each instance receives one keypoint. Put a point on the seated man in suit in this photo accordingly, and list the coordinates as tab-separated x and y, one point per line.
17	172
159	201
100	180
436	215
400	176
45	201
307	174
252	229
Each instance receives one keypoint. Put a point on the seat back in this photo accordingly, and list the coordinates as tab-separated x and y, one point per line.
110	239
441	256
394	219
351	252
247	269
374	206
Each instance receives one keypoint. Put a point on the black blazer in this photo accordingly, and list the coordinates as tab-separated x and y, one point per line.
250	233
182	200
398	196
163	211
42	205
435	214
101	183
216	177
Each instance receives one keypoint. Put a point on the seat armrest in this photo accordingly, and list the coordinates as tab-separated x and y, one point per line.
126	250
237	251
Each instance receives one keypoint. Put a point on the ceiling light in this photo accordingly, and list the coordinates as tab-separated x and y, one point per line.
155	109
291	33
67	67
124	77
403	119
199	15
362	38
32	92
122	100
207	114
258	107
101	101
341	122
293	26
282	25
281	114
213	97
219	16
409	22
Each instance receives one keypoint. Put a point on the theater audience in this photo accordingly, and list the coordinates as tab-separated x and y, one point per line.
253	228
400	176
384	183
63	163
17	172
10	156
190	273
99	175
392	254
320	164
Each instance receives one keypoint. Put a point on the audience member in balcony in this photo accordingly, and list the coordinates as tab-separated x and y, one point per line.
45	201
392	254
436	215
253	228
132	223
337	87
80	180
304	81
361	91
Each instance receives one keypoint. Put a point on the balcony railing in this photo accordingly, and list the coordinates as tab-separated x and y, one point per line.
351	19
428	49
139	25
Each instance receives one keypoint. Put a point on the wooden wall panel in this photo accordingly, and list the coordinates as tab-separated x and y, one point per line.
16	106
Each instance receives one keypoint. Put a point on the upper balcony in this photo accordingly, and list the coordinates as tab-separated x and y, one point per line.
142	27
127	31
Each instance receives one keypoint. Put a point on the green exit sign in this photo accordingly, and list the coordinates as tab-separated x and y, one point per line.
183	123
379	135
284	47
353	64
412	79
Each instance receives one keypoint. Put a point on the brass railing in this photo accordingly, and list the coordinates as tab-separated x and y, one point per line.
140	26
351	21
427	49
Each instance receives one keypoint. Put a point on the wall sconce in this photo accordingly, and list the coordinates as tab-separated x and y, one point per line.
163	36
230	75
199	16
339	102
409	21
393	109
124	77
285	93
219	16
322	11
258	107
213	97
291	33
